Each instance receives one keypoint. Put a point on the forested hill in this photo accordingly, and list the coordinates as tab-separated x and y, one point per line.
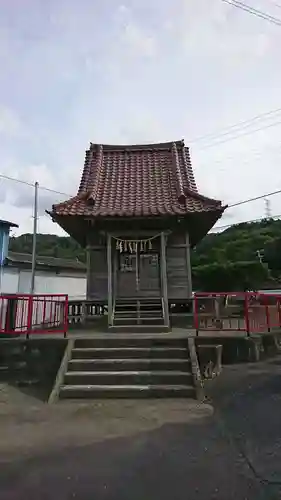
229	260
49	245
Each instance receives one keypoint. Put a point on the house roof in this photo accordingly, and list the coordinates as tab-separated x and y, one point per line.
45	261
7	223
139	180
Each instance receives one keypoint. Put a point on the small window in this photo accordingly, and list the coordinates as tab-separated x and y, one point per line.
127	263
150	259
154	260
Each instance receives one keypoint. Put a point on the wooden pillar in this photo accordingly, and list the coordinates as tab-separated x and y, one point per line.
109	280
164	286
88	254
188	264
114	276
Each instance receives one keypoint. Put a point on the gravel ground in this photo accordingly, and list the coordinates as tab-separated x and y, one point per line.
228	448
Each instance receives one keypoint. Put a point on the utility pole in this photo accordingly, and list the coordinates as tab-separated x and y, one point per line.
2	260
35	220
259	254
267	208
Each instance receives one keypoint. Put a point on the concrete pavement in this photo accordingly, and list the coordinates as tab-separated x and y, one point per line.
145	450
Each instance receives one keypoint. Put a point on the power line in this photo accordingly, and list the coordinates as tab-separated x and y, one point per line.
240	125
245	159
223	168
225	131
255	12
236	204
26	183
249	200
240	135
275	4
244	222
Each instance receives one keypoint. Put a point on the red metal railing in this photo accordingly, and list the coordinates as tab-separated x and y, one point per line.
248	312
22	314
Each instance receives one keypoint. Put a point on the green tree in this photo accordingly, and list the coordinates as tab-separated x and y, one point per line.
221	261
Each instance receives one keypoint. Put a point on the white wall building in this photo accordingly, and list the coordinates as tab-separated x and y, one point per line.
53	275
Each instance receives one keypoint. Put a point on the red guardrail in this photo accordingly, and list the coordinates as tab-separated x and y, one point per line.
22	314
249	312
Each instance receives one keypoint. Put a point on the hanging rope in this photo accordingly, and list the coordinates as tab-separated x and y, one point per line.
124	245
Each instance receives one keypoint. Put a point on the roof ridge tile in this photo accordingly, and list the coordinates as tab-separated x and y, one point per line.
137	180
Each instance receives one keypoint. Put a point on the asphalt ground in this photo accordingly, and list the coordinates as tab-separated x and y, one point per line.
228	448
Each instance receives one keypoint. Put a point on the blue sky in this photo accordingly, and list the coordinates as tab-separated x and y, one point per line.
74	72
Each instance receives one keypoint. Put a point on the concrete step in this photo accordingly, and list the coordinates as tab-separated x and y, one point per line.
125	314
132	341
140	304
135	313
127	377
140	300
128	364
150	329
129	352
143	308
134	319
129	367
126	391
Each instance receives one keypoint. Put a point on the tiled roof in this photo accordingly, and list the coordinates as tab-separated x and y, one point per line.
139	180
45	261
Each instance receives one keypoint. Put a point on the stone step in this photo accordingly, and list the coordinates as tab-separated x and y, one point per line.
141	305
133	319
140	300
122	307
127	377
131	310
126	391
108	364
129	340
137	314
131	313
129	352
138	329
129	367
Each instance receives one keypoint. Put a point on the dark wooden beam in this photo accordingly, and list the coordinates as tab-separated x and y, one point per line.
188	264
95	247
109	271
135	234
115	273
88	272
164	285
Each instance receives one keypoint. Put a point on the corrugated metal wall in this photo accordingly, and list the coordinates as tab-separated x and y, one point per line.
18	281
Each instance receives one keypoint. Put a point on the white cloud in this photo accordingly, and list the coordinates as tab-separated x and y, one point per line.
139	43
10	124
209	29
140	72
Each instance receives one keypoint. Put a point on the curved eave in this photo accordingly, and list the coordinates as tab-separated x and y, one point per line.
202	222
74	225
138	147
197	223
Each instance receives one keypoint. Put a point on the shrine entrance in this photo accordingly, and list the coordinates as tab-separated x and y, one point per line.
137	275
138	285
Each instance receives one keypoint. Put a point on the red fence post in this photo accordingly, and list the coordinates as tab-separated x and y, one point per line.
41	313
279	311
65	326
29	315
246	308
267	312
